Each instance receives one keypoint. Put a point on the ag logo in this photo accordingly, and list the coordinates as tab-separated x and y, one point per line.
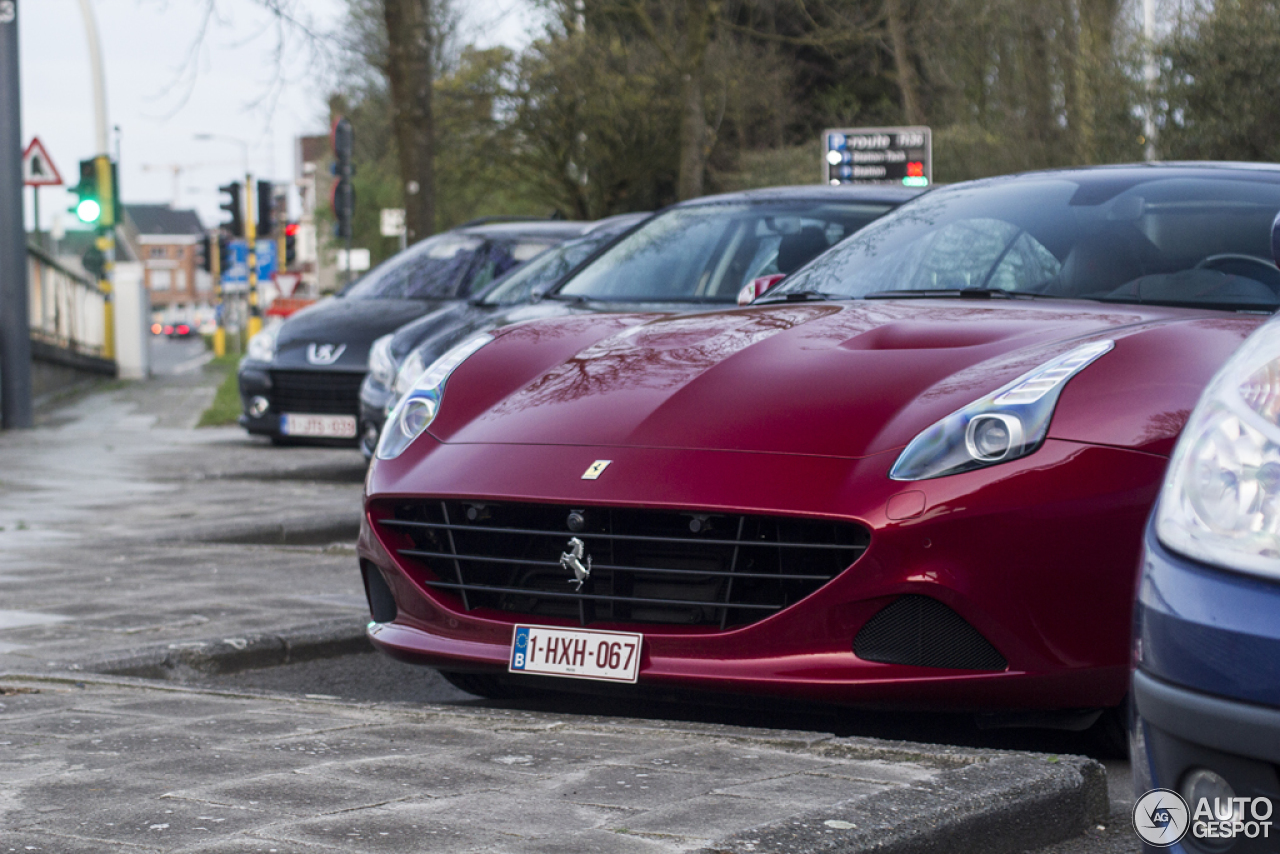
1160	817
325	354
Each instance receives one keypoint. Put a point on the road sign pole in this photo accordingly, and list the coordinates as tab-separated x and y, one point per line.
15	331
251	236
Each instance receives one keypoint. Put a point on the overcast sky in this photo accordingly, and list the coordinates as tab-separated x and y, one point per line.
165	85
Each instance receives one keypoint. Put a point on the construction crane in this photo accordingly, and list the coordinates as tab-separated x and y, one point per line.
177	169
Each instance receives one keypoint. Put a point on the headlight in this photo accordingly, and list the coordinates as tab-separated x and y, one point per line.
1221	497
1009	423
262	347
416	410
407	376
382	367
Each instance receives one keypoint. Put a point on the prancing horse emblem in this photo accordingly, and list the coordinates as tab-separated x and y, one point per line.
572	560
325	354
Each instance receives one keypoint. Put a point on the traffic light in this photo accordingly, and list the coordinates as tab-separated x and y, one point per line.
344	194
233	206
290	245
266	207
225	260
89	206
203	259
94	262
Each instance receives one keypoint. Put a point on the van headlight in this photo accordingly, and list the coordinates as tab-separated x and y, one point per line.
262	347
382	366
417	409
1221	497
1007	424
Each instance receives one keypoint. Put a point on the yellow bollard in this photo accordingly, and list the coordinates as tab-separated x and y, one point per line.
220	342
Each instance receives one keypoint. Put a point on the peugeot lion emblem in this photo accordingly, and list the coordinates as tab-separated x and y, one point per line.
572	560
325	354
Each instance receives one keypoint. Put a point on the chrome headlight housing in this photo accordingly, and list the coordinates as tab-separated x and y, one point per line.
417	408
413	367
1221	498
382	366
1007	424
262	347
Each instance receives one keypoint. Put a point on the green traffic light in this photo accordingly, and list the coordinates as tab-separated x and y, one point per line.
88	210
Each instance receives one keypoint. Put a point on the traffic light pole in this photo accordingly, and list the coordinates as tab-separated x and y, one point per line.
106	230
251	237
15	332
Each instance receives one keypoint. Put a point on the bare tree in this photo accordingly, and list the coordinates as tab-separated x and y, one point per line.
410	74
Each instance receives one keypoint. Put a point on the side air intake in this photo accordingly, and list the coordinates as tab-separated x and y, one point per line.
923	632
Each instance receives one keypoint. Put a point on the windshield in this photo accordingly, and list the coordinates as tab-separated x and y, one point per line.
706	253
1151	238
544	271
431	269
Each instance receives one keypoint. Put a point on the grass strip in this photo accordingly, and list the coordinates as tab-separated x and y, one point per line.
225	408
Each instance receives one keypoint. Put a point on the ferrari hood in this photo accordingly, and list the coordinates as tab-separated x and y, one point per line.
832	379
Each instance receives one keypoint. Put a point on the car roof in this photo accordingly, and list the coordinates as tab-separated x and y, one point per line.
1140	172
514	230
871	193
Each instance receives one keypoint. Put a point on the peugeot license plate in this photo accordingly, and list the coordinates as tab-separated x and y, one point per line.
321	426
580	653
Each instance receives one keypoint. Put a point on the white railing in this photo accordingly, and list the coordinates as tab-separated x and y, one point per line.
67	310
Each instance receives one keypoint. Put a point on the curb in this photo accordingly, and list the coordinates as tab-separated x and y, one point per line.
1004	805
228	655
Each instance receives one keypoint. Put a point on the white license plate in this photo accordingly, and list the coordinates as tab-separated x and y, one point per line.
323	426
580	653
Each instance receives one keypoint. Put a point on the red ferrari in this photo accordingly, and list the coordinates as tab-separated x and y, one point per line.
914	475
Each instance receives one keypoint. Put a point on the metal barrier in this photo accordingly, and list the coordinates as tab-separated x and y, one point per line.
67	310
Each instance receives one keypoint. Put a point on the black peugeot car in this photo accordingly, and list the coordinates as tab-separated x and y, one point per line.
698	254
300	380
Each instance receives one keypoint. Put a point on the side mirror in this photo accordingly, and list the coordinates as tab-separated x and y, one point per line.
756	287
1275	239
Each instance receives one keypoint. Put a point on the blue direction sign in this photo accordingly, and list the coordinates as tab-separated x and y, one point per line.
236	278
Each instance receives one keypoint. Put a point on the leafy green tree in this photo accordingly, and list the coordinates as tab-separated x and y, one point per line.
1219	83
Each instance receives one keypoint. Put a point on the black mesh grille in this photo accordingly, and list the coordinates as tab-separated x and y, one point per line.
921	631
316	392
664	567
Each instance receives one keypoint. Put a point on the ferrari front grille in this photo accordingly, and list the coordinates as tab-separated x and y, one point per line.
316	392
645	566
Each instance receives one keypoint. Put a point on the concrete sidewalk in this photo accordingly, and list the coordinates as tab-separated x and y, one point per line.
135	546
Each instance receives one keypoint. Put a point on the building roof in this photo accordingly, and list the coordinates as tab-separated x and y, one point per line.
163	219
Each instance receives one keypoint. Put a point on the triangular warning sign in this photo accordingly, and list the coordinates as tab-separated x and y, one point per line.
37	167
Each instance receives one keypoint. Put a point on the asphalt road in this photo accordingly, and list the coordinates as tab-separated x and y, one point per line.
177	355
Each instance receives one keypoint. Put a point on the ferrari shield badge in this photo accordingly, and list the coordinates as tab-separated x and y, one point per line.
595	469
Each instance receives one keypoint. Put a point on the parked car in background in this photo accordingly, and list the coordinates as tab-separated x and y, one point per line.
1206	687
696	255
518	286
300	379
914	474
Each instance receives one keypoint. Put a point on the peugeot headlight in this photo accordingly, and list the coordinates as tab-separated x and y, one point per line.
1221	496
382	366
407	376
417	408
1009	423
262	347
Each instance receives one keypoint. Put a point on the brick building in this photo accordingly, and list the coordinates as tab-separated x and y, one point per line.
166	241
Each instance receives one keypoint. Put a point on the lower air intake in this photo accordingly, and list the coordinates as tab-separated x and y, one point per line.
923	632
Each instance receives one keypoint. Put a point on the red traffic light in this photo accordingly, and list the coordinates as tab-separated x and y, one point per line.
291	230
915	169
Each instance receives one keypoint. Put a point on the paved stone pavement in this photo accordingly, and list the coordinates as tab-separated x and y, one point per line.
132	544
